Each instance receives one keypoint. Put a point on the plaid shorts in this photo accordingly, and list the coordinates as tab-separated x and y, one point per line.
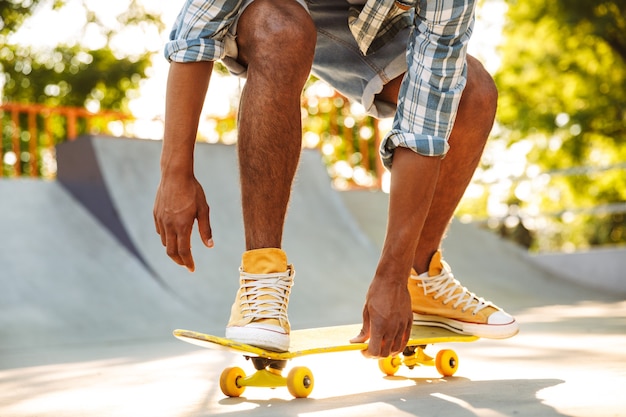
432	53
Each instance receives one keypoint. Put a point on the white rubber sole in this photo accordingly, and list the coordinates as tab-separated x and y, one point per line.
264	337
487	331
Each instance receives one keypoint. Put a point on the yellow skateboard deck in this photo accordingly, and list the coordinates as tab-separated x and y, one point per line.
269	364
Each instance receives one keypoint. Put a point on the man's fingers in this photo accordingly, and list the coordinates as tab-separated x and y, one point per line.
360	338
162	235
184	251
381	342
365	330
384	341
156	222
178	244
159	229
399	343
204	227
171	246
377	348
407	331
402	336
177	206
377	344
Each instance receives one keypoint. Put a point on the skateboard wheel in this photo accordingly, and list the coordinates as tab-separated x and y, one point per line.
447	362
389	365
229	381
300	382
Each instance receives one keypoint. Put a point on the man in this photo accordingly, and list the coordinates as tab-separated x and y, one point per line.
368	53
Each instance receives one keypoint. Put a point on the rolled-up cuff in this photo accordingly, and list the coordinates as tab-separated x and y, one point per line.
194	50
422	144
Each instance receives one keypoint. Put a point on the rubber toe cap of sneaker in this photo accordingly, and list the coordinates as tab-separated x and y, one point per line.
500	318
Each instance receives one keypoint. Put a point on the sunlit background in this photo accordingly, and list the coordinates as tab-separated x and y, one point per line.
552	176
551	179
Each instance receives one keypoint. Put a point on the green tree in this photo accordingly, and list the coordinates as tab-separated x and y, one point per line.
13	13
72	74
562	86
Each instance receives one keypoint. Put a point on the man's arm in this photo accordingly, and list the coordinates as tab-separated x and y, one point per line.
427	104
180	199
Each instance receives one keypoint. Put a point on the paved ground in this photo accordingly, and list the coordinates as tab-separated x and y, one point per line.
86	315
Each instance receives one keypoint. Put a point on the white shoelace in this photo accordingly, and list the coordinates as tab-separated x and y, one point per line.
266	295
445	285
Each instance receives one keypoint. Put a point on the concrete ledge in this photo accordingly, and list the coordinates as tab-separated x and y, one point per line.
469	246
603	269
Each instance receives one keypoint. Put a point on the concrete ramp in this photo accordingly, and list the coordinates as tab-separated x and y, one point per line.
64	279
81	263
488	265
334	260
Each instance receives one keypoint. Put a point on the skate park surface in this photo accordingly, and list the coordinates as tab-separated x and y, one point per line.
89	300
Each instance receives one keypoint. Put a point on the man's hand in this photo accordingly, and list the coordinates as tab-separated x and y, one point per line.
387	319
177	206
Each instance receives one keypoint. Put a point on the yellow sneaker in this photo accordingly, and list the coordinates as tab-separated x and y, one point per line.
259	314
440	300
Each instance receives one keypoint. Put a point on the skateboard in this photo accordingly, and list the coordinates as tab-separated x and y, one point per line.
269	365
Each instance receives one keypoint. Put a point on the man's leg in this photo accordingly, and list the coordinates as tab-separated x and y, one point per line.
276	41
473	123
425	191
437	298
471	129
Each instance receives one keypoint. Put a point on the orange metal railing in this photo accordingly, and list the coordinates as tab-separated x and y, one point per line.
29	131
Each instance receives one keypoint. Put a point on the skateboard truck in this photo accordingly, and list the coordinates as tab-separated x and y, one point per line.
415	355
446	361
269	374
263	363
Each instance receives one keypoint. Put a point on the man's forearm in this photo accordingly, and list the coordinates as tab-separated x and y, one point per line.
187	85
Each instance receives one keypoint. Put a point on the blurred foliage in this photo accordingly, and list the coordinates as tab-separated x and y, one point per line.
562	109
71	74
14	12
347	137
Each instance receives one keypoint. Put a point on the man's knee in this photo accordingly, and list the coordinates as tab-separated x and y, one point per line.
481	88
276	30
